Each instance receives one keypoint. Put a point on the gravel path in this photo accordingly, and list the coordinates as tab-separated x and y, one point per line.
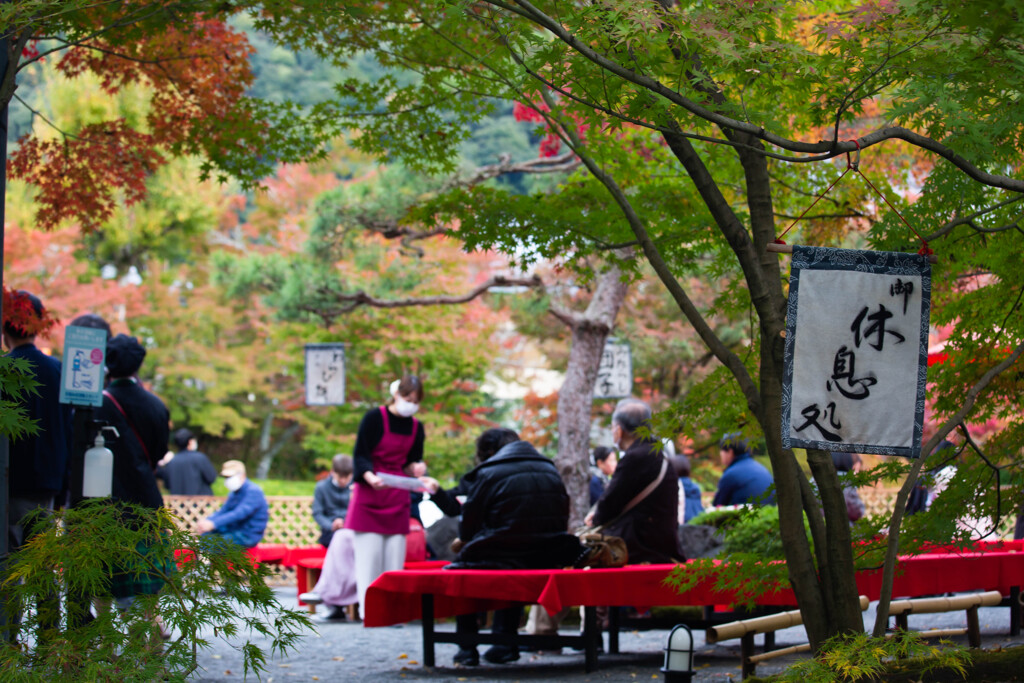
349	652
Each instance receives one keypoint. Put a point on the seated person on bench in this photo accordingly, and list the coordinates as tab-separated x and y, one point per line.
337	584
515	516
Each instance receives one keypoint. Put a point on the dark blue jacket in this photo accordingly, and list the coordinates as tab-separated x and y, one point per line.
745	480
189	473
244	513
691	493
38	463
597	485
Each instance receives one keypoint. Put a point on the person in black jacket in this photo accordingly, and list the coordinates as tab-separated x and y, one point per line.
188	472
143	422
516	516
649	526
38	462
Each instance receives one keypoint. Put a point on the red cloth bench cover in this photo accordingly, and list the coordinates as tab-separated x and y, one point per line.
394	596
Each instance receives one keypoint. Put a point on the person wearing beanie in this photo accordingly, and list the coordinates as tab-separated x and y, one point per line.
143	426
142	421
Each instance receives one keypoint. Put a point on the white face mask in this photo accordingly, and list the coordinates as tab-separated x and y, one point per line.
234	482
405	408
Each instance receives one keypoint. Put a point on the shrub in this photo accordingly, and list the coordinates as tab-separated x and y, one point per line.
211	589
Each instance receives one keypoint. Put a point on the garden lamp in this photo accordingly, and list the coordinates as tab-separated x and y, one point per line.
679	655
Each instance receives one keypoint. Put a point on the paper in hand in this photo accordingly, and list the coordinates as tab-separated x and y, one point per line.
396	482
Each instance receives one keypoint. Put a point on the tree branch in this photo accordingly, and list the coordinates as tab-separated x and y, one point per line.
969	220
357	299
892	548
825	149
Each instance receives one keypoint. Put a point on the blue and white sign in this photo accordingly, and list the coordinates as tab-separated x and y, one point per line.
81	373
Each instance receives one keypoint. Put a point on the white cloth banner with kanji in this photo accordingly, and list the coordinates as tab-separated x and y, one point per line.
856	351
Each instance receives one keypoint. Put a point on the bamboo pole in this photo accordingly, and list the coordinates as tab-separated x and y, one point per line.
771	622
806	647
945	604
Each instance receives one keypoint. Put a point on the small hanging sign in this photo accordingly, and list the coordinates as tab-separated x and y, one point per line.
81	370
615	373
856	353
325	374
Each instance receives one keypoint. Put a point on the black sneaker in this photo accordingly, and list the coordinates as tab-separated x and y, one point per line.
336	613
466	657
501	654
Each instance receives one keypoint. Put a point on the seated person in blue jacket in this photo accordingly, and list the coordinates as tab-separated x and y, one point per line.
243	517
604	462
745	480
515	516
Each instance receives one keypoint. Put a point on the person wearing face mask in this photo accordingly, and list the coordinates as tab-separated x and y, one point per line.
389	441
243	517
640	504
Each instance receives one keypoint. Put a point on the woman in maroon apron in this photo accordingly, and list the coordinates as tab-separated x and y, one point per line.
389	441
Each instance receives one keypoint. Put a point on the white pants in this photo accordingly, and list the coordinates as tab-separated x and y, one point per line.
376	554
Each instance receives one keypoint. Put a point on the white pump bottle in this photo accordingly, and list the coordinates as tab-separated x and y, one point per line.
98	469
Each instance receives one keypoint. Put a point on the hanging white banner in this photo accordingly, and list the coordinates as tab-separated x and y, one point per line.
856	354
325	374
615	373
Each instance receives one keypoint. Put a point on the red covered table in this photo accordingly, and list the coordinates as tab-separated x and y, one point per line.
426	594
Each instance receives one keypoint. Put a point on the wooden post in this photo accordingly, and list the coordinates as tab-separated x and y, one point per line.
746	654
613	630
590	635
1015	610
973	629
427	604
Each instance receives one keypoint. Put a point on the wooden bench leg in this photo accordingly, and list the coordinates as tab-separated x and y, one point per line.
613	630
591	633
746	652
1015	610
973	629
312	576
427	603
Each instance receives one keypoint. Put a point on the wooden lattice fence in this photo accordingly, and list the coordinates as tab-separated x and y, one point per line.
291	517
291	522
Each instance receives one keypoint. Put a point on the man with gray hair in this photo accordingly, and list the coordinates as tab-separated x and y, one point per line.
641	500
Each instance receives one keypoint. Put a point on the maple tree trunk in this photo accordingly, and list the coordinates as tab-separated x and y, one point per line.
823	580
575	398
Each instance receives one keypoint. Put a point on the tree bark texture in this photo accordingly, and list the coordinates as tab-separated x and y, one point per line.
589	332
823	581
